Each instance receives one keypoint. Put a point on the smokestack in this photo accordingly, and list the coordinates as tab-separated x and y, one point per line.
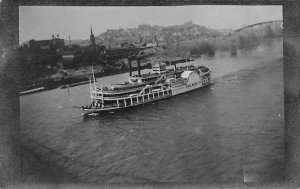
139	66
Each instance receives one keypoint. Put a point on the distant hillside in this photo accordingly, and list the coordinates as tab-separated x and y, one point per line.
147	33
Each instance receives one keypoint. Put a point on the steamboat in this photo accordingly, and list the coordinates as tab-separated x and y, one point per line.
144	88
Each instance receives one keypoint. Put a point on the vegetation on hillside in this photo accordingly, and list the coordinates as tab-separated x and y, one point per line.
243	41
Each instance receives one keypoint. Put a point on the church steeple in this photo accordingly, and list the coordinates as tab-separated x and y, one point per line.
92	38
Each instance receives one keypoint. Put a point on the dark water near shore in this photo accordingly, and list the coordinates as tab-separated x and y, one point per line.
228	132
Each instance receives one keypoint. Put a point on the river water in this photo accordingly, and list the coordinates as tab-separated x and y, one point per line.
230	132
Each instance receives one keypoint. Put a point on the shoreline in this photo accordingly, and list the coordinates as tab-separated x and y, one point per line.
81	79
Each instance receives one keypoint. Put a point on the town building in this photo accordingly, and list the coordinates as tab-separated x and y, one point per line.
54	43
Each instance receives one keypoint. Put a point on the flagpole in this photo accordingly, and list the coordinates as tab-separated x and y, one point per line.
90	87
94	80
102	95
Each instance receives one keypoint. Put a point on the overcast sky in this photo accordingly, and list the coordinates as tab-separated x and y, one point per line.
37	22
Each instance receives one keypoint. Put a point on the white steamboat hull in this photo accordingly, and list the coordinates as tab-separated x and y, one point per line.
151	97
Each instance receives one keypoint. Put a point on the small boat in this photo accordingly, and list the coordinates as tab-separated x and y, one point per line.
141	89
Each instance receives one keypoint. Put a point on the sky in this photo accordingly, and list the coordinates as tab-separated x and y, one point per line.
41	22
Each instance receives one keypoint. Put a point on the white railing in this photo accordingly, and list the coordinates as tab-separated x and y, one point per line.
139	99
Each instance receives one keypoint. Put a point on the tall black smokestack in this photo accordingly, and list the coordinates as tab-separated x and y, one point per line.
129	65
139	66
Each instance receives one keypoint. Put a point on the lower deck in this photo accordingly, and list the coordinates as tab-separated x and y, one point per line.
118	103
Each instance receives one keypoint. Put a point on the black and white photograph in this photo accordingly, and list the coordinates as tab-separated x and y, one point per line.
151	95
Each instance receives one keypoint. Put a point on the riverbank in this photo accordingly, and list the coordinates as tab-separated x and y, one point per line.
72	77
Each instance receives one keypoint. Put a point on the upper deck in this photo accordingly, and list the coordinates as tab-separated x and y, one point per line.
159	74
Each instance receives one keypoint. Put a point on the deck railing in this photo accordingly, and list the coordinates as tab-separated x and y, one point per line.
139	99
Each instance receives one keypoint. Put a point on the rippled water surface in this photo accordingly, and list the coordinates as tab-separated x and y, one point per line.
229	132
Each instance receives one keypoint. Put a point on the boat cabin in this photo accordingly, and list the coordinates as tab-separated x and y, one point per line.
159	68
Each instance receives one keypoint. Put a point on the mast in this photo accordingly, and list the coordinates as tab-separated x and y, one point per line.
94	79
91	87
95	88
